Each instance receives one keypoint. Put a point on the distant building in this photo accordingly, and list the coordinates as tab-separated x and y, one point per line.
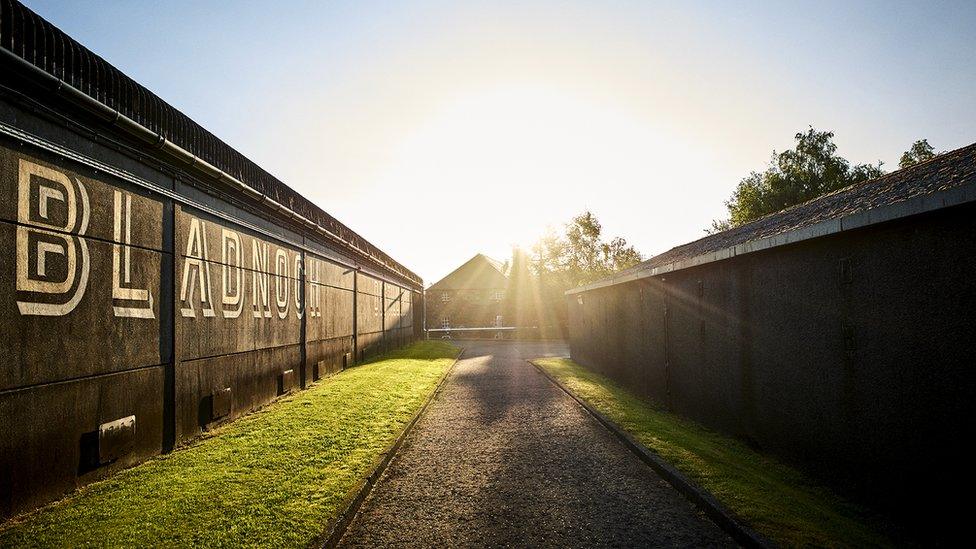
475	295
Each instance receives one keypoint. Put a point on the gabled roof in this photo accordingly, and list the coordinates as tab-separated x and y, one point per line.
498	265
478	273
943	181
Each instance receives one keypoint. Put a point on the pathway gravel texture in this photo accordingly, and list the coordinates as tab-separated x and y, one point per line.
503	458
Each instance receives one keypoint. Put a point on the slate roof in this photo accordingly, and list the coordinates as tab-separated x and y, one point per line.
478	273
498	265
947	171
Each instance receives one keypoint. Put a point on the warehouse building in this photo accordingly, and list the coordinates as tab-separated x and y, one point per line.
157	283
838	335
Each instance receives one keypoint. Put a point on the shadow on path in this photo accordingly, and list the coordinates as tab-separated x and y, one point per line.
503	457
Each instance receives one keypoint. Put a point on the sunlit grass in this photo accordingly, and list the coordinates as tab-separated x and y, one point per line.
276	477
776	500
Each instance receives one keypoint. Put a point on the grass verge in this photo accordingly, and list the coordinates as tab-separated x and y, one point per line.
276	477
776	500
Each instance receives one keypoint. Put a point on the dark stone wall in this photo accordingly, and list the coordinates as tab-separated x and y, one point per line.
122	303
75	355
848	355
330	292
238	319
369	316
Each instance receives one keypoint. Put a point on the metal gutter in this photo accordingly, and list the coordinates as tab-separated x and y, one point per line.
938	200
154	140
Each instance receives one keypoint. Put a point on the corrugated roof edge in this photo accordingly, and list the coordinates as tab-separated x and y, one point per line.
37	42
936	200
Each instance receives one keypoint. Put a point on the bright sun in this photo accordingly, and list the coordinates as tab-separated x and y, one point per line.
518	158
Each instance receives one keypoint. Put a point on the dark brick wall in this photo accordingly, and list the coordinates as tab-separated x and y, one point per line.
849	355
467	308
118	301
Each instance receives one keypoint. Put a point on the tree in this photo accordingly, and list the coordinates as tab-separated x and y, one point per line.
803	173
576	256
580	255
620	254
583	244
918	153
522	293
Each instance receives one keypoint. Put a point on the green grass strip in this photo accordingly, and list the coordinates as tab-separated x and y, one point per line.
776	500
274	478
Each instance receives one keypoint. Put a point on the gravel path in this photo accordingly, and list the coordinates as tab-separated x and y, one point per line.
504	458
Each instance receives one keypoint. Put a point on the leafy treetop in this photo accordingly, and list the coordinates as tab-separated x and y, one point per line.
794	176
580	255
918	153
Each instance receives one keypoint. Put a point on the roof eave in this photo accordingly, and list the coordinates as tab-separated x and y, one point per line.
938	200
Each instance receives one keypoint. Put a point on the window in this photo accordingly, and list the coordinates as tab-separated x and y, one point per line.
446	323
497	295
445	297
498	321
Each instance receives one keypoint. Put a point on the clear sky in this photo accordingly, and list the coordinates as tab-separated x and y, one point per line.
440	129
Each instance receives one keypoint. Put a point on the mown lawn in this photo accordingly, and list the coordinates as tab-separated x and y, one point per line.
776	500
276	477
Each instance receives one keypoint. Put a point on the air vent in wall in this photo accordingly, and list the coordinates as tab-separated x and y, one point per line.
286	382
116	439
220	403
